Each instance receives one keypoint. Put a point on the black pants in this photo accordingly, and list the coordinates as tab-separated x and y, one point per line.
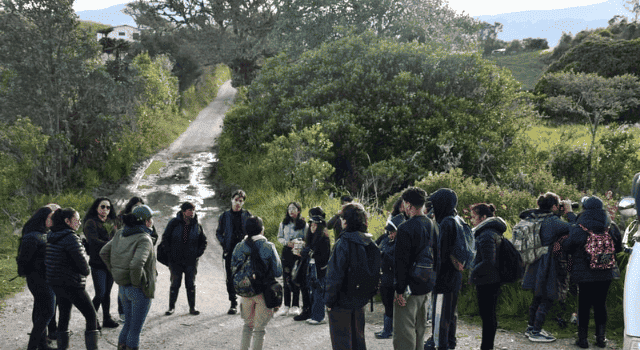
44	305
230	289
387	293
291	292
79	298
592	294
538	312
346	328
189	271
487	303
102	283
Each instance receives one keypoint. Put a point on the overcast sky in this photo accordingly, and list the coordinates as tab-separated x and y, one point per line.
471	7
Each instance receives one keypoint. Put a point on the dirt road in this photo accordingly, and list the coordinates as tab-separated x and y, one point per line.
188	161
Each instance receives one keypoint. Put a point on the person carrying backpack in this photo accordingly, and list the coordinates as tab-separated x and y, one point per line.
488	231
541	276
593	243
253	310
353	273
415	271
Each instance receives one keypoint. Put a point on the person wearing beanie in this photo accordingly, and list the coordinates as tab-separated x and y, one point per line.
317	249
593	283
131	260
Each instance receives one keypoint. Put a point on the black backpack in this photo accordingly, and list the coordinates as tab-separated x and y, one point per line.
363	274
510	263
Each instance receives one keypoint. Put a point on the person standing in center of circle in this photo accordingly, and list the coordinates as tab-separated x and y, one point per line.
230	232
186	243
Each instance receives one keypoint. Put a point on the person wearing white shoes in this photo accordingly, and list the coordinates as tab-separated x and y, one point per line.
292	227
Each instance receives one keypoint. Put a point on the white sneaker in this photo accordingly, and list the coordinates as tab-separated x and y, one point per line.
282	312
314	322
294	311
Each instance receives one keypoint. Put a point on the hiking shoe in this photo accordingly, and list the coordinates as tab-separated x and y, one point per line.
539	337
314	322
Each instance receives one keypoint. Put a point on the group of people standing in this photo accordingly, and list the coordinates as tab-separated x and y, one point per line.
120	248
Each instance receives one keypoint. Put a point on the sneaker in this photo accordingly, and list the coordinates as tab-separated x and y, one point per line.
110	323
170	312
195	312
294	311
527	332
539	337
232	311
282	312
304	315
314	322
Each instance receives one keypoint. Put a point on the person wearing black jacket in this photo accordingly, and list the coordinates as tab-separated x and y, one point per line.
31	256
185	244
318	248
67	271
99	226
415	240
593	283
488	231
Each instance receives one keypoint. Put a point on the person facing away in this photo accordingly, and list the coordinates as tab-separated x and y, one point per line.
186	242
541	275
67	271
253	310
415	244
593	282
230	231
131	259
31	256
99	226
449	280
334	223
488	230
128	208
291	229
345	307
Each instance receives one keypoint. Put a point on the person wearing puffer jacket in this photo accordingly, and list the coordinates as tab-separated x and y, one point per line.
488	231
130	258
593	284
67	271
253	310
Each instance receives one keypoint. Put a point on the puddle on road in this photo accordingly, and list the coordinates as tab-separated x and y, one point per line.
182	179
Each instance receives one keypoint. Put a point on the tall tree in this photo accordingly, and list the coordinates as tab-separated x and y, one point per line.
634	7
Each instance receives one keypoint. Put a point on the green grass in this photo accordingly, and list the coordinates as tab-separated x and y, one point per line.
154	168
526	67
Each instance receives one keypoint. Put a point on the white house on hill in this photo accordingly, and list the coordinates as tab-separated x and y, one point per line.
124	32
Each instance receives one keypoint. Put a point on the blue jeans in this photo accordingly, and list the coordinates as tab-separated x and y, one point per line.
136	307
102	282
316	293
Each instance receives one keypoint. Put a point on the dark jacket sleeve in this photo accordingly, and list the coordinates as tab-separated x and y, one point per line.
336	273
220	230
486	270
402	258
168	231
202	241
449	278
77	253
28	248
92	233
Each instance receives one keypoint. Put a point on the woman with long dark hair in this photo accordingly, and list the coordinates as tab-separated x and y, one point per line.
131	259
317	249
31	256
67	271
99	226
291	228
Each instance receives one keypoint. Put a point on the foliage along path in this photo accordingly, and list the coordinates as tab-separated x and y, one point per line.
182	176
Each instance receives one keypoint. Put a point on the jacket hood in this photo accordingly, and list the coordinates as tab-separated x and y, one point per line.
444	202
594	216
362	238
494	223
54	237
132	230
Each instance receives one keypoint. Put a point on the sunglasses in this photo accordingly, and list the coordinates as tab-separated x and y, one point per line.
105	207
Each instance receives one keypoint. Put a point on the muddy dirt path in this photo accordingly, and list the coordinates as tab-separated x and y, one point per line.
187	163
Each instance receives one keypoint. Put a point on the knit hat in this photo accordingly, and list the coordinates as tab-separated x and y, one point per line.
143	212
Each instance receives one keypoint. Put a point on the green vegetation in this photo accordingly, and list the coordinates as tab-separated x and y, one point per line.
154	168
526	67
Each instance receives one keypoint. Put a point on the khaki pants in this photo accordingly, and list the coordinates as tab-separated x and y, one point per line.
256	315
410	323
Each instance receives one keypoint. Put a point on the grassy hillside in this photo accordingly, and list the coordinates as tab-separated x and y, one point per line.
527	67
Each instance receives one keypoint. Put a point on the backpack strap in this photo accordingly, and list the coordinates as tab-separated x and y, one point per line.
606	231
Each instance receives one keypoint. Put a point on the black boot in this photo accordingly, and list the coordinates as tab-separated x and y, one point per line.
62	338
601	339
582	337
44	344
91	339
173	296
38	342
108	322
304	315
191	298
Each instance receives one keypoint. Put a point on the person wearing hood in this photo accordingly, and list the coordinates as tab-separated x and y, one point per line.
131	259
99	226
67	270
593	282
345	309
253	310
230	231
488	231
31	255
449	280
541	276
186	243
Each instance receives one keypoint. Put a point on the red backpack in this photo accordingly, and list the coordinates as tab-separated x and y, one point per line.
600	249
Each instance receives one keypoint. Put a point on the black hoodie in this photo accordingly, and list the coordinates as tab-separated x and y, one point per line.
444	202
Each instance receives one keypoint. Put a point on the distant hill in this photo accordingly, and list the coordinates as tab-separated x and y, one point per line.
112	16
550	24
